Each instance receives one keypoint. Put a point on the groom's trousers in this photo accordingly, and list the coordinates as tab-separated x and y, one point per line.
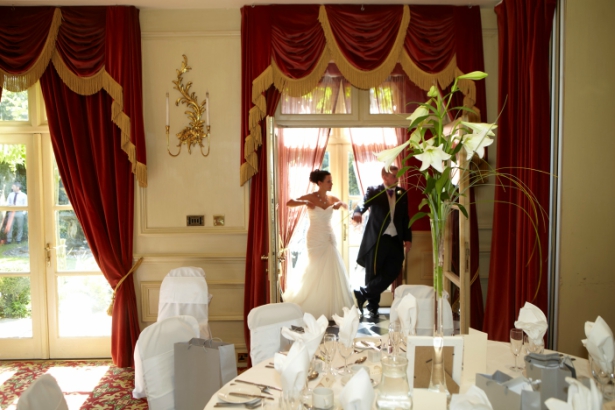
382	265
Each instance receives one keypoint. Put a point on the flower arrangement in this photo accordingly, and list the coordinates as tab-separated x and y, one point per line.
433	142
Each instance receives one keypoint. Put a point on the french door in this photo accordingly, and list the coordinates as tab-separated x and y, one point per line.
53	297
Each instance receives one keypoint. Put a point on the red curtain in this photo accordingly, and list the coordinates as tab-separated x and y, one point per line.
97	137
518	272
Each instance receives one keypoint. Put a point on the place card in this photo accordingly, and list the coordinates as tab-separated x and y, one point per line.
474	356
423	399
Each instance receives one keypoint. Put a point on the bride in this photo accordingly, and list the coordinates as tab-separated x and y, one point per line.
323	288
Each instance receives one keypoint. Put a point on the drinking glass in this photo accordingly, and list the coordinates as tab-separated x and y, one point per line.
329	346
532	347
395	336
516	343
345	352
602	378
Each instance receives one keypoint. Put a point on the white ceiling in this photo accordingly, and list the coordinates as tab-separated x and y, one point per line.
228	4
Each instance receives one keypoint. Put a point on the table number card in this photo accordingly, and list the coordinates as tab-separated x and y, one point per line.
423	399
474	356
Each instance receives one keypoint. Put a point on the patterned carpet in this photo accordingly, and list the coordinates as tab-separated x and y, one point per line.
87	384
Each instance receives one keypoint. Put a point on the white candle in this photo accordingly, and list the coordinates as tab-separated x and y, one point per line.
207	105
167	109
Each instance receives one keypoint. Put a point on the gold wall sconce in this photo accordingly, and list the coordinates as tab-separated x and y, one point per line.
198	130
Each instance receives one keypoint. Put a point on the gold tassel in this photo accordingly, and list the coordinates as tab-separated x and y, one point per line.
119	283
246	172
21	82
360	78
296	87
142	174
425	80
262	83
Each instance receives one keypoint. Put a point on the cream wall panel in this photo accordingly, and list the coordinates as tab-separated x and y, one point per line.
587	283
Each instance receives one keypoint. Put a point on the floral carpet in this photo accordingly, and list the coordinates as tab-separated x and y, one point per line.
87	384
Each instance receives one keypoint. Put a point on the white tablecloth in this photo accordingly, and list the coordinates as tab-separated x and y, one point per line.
499	357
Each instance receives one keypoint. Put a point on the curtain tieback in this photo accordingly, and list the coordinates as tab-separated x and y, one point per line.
134	268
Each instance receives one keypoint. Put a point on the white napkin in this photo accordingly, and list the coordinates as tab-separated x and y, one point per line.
579	397
358	394
293	367
349	325
599	343
474	398
406	311
533	322
313	329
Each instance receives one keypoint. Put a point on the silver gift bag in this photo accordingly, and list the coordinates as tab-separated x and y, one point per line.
202	367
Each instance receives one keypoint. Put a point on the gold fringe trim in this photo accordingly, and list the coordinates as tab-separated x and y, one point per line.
134	268
23	81
301	86
246	172
425	80
468	88
262	83
92	85
359	78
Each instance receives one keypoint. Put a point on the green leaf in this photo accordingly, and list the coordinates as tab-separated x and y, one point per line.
443	179
431	183
463	210
423	203
416	217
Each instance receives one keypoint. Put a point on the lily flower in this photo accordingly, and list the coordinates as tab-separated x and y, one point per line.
388	155
419	112
432	156
479	139
415	138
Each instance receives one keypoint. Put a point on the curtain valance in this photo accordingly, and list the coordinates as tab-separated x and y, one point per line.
85	49
290	46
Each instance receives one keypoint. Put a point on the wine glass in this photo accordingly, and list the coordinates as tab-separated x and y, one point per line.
395	336
345	352
329	346
516	343
602	379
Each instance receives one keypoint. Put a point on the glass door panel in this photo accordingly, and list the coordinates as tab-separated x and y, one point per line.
22	307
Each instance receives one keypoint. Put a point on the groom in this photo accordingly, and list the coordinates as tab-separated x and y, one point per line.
384	242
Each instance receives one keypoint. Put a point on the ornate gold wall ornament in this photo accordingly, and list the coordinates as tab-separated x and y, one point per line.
198	130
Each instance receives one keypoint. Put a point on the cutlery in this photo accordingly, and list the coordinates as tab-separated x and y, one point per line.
358	361
246	405
256	396
258	385
369	345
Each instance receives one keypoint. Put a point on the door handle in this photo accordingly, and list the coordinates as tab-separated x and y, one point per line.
48	254
344	232
264	257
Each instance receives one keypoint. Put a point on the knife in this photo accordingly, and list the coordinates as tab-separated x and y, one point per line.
255	396
258	384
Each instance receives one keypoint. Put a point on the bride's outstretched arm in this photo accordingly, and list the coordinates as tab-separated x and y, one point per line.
304	200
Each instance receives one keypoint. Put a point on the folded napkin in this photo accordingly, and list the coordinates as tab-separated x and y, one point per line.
349	325
293	367
358	394
406	311
474	398
533	322
313	331
579	397
599	343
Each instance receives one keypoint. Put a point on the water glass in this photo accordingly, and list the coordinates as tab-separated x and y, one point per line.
532	347
516	344
329	343
395	336
603	380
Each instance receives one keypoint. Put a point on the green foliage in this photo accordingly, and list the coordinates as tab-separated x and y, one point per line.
15	297
14	106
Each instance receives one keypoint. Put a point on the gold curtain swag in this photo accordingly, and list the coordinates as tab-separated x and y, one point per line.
119	283
82	86
361	79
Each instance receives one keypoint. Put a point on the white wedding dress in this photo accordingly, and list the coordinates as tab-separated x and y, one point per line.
323	288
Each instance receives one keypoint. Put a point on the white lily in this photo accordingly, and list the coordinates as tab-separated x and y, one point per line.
419	112
415	138
432	156
477	141
388	155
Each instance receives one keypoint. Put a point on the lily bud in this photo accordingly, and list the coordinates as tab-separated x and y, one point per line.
474	75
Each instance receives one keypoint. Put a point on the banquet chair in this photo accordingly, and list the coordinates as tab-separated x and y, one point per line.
154	359
43	394
184	291
425	308
265	323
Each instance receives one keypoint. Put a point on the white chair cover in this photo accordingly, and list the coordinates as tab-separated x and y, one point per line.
154	365
265	324
43	394
184	292
425	307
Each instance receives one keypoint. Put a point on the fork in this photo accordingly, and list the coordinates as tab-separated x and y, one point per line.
254	405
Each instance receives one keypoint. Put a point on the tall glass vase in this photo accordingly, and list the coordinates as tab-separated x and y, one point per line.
438	379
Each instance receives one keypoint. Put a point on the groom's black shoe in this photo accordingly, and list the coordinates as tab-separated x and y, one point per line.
360	300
